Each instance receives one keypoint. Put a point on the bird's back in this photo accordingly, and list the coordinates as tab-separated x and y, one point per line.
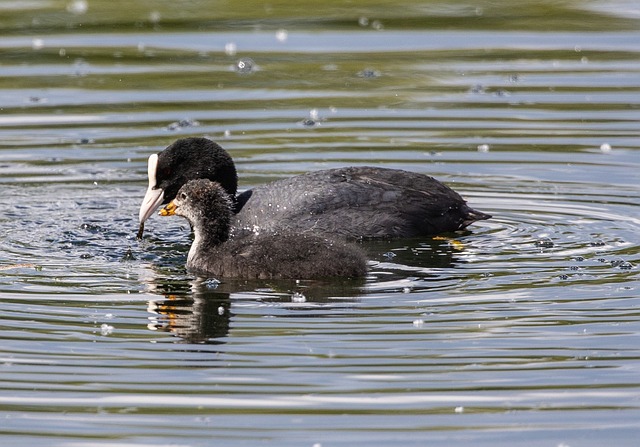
355	202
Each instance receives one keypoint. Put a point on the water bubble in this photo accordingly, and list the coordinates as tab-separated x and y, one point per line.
245	65
406	290
221	310
483	148
377	25
389	255
106	329
418	323
128	256
227	133
363	21
621	264
459	409
544	243
478	89
369	73
212	283
62	52
313	120
187	122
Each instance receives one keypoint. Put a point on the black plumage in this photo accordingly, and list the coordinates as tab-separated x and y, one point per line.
266	255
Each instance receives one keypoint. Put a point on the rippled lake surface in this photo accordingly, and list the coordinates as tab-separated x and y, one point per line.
524	330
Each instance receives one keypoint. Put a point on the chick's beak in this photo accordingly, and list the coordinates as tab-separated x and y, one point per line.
169	209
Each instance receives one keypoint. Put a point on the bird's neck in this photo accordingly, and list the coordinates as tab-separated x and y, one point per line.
208	234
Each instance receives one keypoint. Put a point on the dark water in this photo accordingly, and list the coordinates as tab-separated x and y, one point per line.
523	331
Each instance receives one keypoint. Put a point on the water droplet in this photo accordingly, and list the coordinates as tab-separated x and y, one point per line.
37	43
154	17
298	297
605	148
483	148
78	7
458	409
418	323
230	49
282	35
377	25
106	329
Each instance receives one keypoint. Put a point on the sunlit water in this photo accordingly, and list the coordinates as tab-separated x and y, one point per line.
522	331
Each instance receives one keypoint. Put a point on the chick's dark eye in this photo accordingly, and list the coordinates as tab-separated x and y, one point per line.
183	196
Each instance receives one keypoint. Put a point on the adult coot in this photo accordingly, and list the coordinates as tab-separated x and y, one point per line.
209	210
353	202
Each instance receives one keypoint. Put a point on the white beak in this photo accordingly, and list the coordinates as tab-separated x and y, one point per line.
154	196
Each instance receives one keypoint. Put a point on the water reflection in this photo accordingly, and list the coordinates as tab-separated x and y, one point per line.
199	310
201	318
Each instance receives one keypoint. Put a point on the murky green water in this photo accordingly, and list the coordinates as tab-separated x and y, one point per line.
523	331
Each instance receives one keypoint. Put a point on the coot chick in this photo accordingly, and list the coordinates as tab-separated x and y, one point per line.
353	202
209	209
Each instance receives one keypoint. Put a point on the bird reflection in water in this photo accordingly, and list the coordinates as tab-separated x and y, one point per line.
195	312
